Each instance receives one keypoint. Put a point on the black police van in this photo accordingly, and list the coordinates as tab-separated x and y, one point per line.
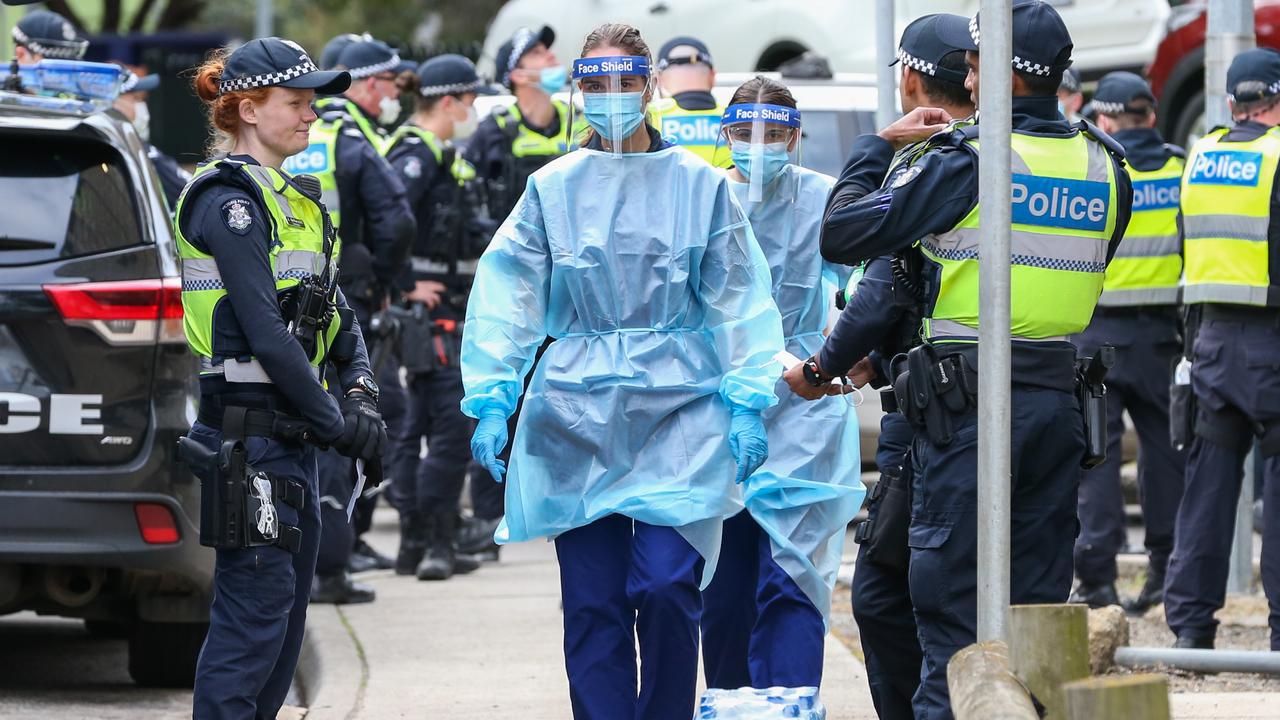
98	520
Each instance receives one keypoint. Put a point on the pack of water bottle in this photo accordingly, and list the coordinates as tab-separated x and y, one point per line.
775	703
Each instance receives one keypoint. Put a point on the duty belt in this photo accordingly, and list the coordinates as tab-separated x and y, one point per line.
435	267
241	371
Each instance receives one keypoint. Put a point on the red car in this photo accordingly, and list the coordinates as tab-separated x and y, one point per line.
1177	73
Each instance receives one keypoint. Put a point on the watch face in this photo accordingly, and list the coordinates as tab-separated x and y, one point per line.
368	384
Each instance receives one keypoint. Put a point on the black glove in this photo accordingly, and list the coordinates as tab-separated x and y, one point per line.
363	432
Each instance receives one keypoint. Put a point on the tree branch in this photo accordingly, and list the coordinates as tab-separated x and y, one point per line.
178	13
110	16
139	21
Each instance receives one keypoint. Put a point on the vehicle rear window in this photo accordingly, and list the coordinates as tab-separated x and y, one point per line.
64	197
828	136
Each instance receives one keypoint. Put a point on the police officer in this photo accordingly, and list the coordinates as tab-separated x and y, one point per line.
1070	96
331	53
451	236
1138	314
44	34
1229	193
132	103
376	226
1056	280
688	114
883	313
262	314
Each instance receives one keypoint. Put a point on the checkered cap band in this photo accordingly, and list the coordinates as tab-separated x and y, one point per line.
523	39
1272	89
1108	108
368	70
130	82
973	30
1027	66
248	82
451	89
56	49
916	63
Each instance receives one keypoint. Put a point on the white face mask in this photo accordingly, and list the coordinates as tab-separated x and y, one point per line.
463	129
142	121
388	110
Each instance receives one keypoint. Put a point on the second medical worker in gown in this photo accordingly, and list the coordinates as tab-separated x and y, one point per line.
765	617
633	254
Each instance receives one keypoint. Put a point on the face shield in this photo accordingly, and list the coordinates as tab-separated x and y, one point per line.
763	140
612	91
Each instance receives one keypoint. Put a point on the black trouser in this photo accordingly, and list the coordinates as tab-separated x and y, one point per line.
338	474
1147	345
433	484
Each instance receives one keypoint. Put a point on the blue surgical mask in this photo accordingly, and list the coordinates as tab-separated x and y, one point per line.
599	109
552	79
772	162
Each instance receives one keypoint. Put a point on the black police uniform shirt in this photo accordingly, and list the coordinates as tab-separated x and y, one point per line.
374	210
227	223
173	179
427	186
489	149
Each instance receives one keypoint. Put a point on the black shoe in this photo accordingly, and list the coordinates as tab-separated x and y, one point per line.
440	560
1095	596
476	535
365	551
463	564
358	563
492	555
1152	593
340	590
413	544
1194	642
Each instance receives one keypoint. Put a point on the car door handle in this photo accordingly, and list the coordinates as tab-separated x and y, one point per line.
660	8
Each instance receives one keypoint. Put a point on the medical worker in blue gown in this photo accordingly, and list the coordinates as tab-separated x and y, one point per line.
764	620
633	254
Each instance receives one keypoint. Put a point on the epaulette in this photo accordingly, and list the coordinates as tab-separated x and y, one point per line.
1175	151
1108	142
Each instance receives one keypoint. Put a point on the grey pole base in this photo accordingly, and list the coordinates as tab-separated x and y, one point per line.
1243	661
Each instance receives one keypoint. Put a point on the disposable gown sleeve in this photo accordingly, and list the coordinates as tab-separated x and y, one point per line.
507	311
734	286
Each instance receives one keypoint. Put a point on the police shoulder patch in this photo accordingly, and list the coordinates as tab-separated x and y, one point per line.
238	215
413	168
905	176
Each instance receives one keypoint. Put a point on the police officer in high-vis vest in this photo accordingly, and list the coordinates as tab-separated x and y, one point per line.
453	231
264	315
512	142
688	114
374	222
1229	195
1138	313
1071	205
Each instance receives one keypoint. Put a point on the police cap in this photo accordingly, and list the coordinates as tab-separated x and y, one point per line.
450	75
366	57
684	50
510	52
333	49
135	83
1254	75
49	34
1041	44
924	44
1123	92
267	62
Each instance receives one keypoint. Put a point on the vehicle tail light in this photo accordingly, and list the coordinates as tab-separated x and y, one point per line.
155	522
127	312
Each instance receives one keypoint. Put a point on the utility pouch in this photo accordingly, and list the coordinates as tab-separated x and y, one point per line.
1091	391
416	342
343	349
446	342
884	533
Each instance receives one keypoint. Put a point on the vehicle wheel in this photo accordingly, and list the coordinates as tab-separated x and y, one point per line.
1190	125
164	654
112	629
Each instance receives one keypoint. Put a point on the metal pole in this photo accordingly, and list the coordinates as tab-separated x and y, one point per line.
1240	577
1213	661
994	387
264	24
886	87
6	52
1228	32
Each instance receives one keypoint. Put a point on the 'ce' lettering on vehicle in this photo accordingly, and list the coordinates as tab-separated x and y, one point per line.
68	414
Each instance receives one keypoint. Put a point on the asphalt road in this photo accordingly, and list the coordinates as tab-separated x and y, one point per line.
53	668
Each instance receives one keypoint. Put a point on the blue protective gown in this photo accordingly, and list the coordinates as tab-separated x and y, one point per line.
810	488
645	270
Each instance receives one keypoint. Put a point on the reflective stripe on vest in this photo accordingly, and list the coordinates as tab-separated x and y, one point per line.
462	170
1064	197
296	252
1226	213
529	143
697	131
1147	266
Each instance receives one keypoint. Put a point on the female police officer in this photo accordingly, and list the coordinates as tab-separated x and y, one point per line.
256	244
634	255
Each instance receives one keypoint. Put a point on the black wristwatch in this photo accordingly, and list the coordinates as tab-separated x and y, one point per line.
365	384
814	375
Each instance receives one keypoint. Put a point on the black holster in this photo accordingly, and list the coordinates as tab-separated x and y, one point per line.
884	533
931	391
1091	391
1182	410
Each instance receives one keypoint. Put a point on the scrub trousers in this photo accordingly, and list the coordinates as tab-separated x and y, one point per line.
759	629
621	579
882	599
1147	345
260	598
1047	444
1236	379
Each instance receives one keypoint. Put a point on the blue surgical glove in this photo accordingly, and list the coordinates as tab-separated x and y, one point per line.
487	441
747	441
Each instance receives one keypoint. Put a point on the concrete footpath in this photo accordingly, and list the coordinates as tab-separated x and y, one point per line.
485	645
